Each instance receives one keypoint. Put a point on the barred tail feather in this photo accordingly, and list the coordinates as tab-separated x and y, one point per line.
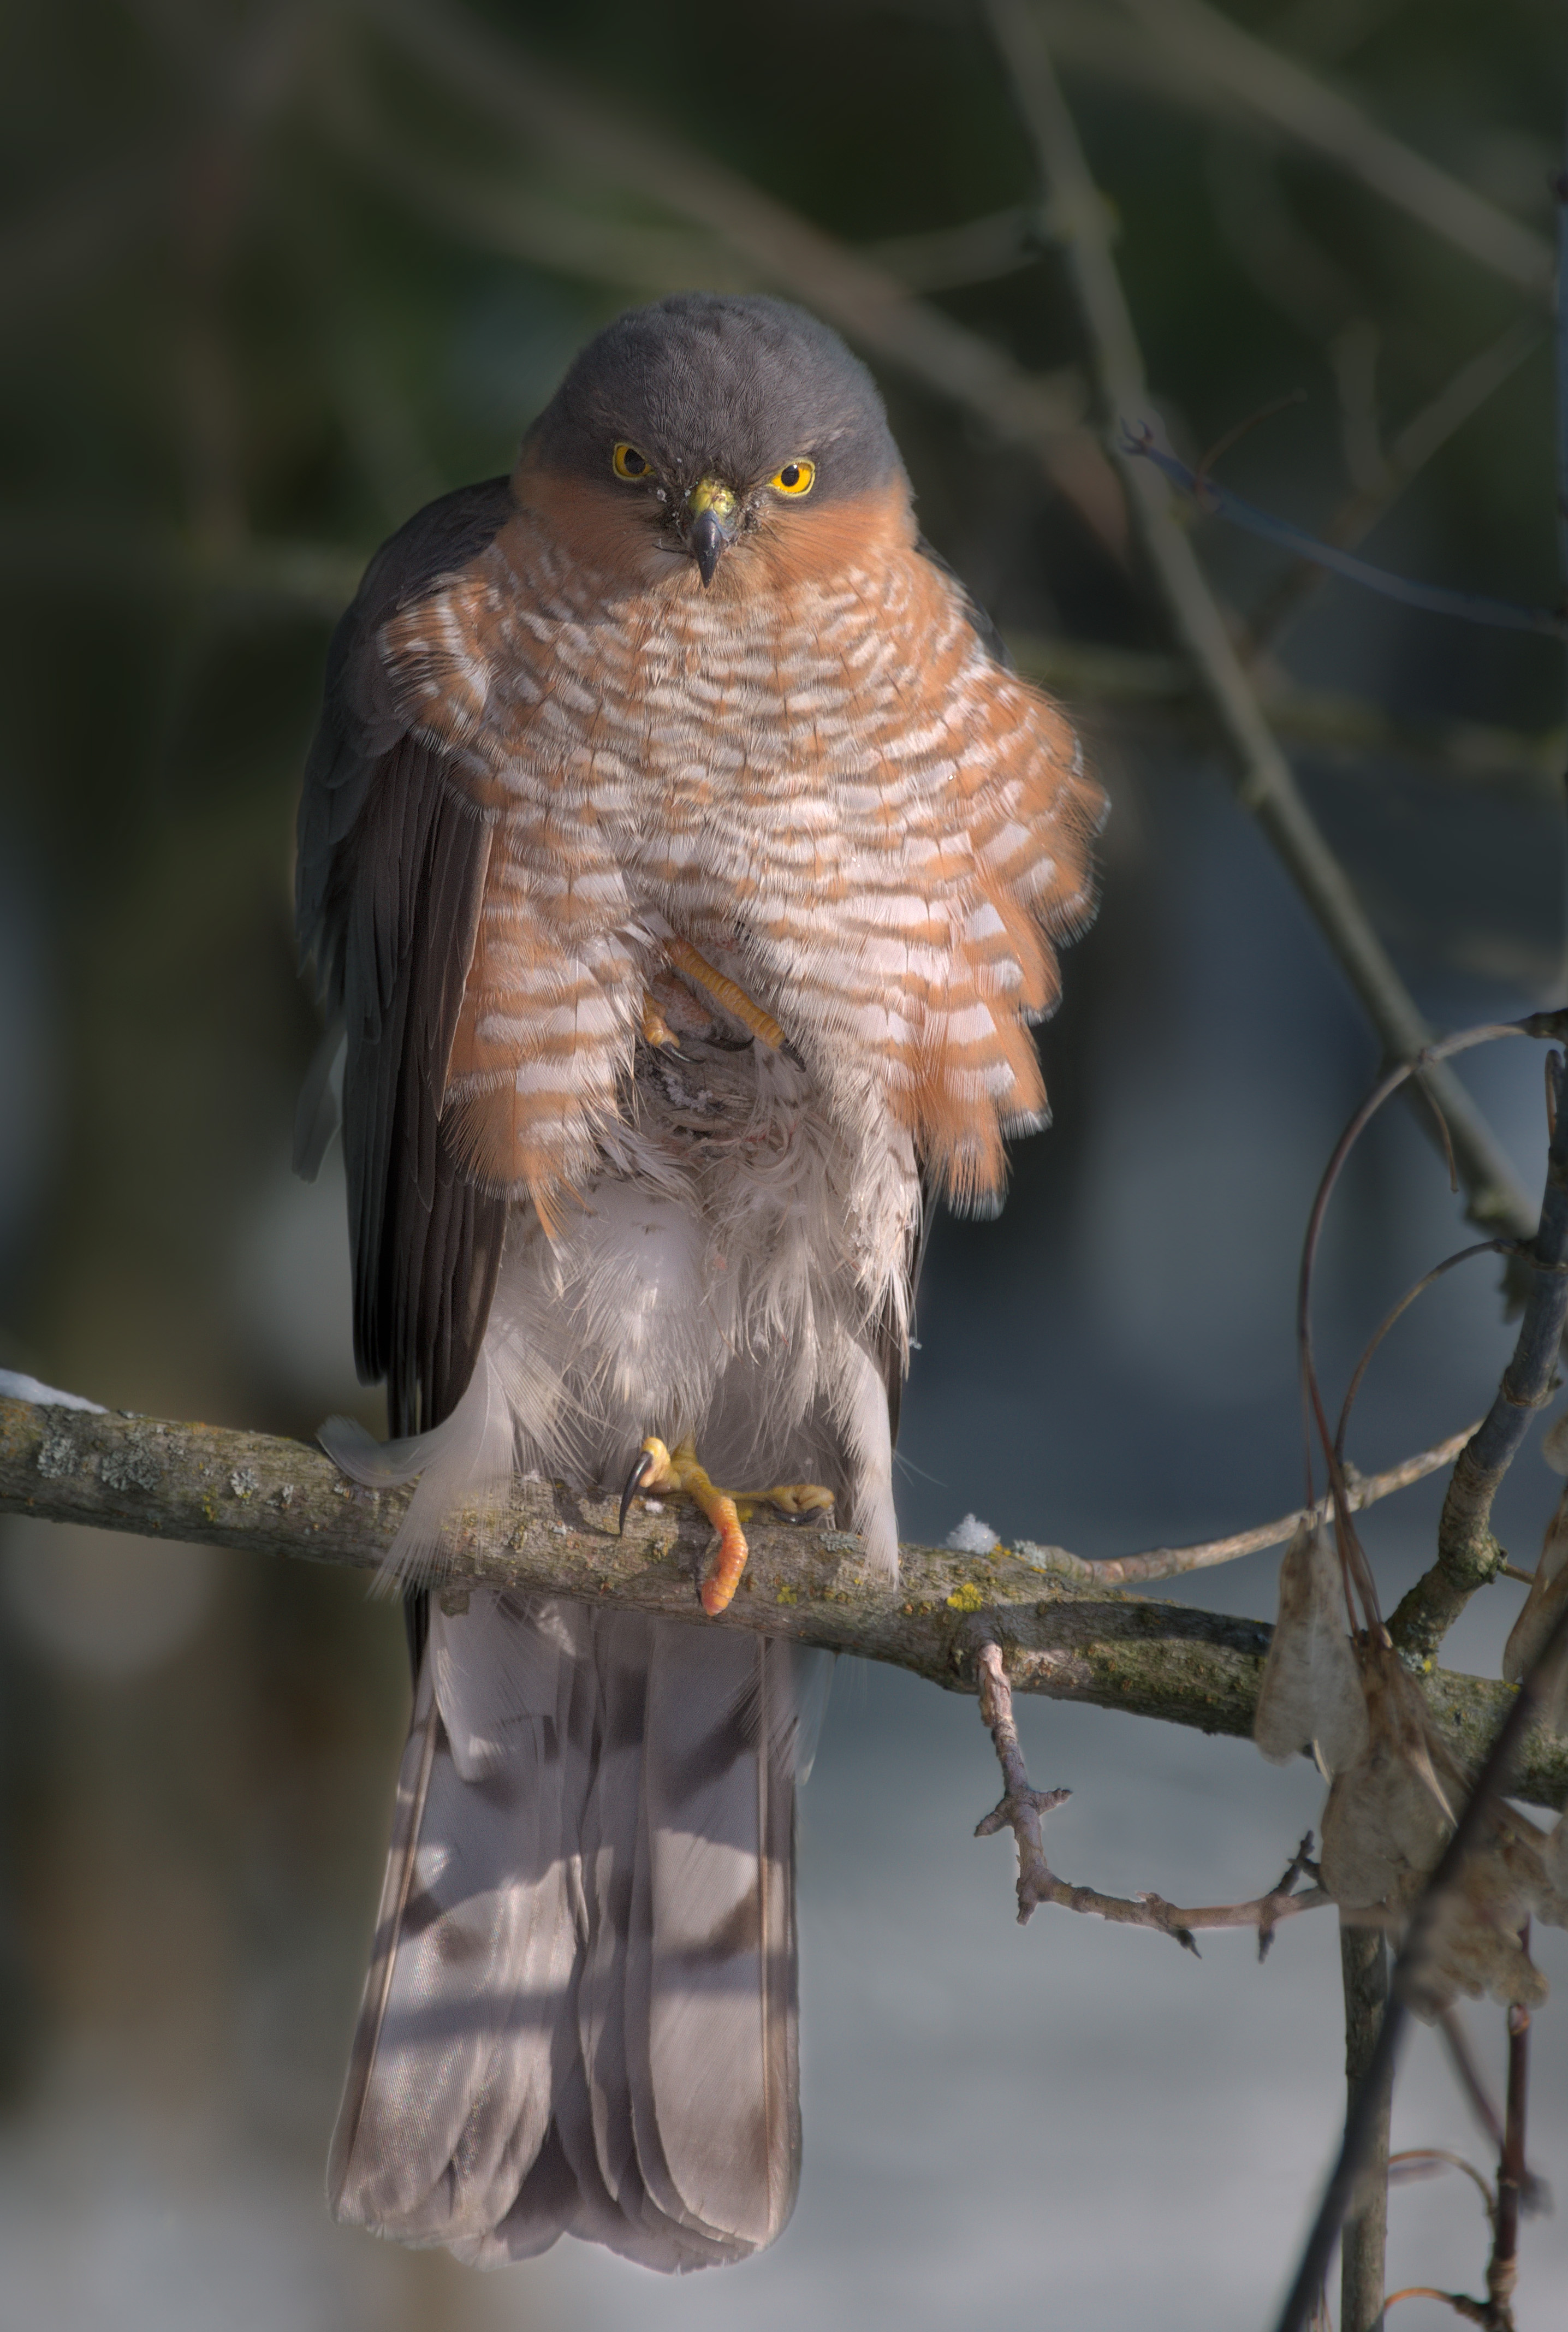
580	2015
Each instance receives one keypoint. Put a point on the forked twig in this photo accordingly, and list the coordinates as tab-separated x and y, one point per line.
1022	1808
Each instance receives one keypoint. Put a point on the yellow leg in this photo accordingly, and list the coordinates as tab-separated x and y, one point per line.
684	957
679	1470
656	1028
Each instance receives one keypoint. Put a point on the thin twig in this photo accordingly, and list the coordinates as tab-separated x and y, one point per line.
1409	2165
1021	1810
1265	781
1174	1562
1468	2074
1432	598
1503	2266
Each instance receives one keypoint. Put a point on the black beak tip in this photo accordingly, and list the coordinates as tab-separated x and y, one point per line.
641	1468
706	539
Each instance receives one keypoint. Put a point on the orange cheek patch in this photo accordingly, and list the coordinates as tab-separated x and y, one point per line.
796	545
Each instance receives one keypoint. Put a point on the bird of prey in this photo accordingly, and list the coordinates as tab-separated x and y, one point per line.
681	864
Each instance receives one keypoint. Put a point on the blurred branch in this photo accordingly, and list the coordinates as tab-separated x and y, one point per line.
1072	1642
1264	778
1463	752
523	223
1203	44
1422	437
508	85
1022	1809
77	556
944	258
1432	598
71	235
1468	1554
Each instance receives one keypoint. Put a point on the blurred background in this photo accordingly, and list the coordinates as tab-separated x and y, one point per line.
272	276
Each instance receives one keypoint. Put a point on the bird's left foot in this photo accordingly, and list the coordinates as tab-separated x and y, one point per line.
659	1468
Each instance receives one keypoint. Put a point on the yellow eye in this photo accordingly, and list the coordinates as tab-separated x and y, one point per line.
627	462
796	478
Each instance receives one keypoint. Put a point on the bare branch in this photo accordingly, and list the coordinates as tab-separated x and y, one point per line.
1173	1562
1468	1554
1512	2178
1022	1809
1263	779
1423	436
1363	1960
1070	1640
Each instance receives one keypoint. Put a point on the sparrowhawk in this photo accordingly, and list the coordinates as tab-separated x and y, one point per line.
680	864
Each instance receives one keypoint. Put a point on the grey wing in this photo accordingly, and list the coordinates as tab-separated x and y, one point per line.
390	876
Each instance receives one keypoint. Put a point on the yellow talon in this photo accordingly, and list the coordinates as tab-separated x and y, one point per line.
656	1028
763	1025
662	1469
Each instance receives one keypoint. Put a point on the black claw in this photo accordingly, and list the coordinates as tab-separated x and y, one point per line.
642	1467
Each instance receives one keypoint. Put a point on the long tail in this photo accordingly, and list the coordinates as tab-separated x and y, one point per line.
581	2014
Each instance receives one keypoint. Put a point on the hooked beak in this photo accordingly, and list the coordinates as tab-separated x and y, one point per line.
709	524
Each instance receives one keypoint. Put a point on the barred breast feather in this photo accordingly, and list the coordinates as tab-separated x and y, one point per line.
829	786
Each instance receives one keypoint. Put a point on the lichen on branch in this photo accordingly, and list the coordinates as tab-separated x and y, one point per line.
1061	1636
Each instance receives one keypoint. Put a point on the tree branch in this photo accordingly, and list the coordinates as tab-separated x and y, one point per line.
1363	1961
1263	780
1070	1640
1468	1554
1022	1809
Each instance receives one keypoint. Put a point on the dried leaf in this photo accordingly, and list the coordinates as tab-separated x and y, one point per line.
1388	1816
1473	1944
1542	1609
1554	1863
1387	1821
1554	1444
1312	1686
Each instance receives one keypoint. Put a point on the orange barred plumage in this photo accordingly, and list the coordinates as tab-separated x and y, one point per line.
830	788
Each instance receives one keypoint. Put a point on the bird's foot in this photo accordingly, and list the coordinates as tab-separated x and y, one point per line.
656	1029
733	997
660	1469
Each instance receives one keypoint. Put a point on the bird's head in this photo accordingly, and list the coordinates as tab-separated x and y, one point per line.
709	426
